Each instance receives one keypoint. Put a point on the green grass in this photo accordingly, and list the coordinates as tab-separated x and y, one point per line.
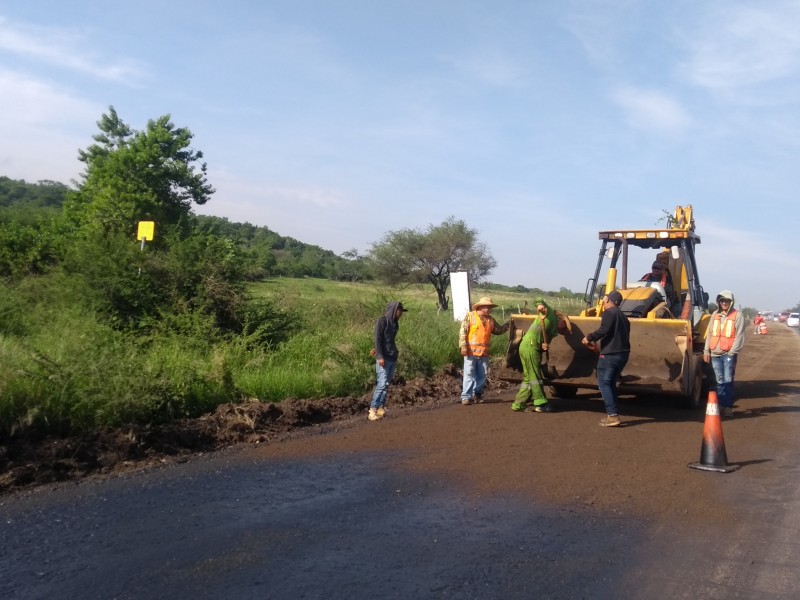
63	371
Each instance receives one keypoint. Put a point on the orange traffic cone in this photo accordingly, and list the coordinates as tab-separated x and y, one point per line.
712	452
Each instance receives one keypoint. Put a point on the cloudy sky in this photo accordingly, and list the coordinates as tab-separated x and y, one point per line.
537	122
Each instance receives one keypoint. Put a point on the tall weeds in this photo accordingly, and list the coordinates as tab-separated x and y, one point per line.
64	370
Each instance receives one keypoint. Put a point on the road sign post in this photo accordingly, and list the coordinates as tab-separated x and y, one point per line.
145	233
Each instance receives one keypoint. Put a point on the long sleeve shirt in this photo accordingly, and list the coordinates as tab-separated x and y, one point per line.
614	332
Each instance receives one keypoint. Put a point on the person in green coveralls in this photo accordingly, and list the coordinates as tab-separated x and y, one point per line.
534	344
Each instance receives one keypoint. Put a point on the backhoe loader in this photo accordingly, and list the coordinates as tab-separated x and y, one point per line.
667	333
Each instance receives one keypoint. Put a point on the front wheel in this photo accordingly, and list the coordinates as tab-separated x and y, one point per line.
693	398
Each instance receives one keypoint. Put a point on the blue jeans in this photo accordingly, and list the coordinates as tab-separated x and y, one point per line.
385	374
609	366
475	369
724	371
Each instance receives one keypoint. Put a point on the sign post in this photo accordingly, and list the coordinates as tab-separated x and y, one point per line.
145	232
459	286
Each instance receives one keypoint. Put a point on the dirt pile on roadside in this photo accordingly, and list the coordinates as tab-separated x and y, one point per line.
27	461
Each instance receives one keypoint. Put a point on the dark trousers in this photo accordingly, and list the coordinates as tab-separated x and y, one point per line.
609	367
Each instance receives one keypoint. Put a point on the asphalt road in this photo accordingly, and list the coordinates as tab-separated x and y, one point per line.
359	514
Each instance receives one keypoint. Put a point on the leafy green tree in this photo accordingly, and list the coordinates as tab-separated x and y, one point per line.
355	267
132	176
32	239
412	256
41	194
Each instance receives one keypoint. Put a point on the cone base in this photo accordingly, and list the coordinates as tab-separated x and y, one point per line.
715	469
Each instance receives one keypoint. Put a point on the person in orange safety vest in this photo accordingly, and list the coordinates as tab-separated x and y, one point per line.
724	341
760	324
660	274
474	338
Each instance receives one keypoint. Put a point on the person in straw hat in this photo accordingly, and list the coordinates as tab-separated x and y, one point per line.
473	341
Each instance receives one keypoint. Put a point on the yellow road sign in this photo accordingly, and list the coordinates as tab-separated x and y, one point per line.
146	230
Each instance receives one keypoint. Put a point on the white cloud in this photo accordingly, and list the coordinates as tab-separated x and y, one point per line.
256	203
738	46
41	129
601	26
61	48
27	101
650	110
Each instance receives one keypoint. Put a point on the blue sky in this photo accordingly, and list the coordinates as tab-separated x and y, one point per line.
536	122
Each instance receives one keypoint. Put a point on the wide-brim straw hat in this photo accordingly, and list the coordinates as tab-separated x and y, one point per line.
485	301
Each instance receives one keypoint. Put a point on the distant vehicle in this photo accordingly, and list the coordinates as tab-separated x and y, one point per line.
783	316
776	318
793	320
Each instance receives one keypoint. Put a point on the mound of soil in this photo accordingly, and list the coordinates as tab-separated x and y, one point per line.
27	461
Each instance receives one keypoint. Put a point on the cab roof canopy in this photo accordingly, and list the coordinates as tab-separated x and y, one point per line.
651	238
680	227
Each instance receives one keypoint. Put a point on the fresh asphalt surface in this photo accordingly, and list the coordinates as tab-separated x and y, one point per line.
234	525
344	528
331	528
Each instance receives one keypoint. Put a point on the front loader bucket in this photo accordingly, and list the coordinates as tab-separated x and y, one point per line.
660	362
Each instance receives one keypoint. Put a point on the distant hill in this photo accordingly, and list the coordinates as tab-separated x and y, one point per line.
270	254
41	194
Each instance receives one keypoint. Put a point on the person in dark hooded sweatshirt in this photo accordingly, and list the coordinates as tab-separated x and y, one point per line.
385	352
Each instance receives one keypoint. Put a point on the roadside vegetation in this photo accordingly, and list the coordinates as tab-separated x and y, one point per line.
65	370
98	330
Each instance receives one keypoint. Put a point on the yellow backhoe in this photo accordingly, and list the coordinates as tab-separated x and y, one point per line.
667	330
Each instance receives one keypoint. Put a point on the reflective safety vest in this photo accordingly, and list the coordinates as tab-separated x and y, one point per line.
651	277
723	335
479	335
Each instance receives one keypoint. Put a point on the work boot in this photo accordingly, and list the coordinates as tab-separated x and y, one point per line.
466	401
381	412
479	398
543	408
610	421
726	411
373	415
519	406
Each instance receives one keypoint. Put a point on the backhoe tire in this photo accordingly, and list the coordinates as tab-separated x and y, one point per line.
694	398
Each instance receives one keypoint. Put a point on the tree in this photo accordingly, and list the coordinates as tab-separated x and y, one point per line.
133	176
414	256
42	194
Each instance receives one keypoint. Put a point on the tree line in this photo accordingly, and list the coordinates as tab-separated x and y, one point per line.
155	175
265	253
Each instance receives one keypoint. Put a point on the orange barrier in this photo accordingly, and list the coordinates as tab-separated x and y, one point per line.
712	452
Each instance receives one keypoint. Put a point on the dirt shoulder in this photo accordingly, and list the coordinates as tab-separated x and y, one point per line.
562	458
27	462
